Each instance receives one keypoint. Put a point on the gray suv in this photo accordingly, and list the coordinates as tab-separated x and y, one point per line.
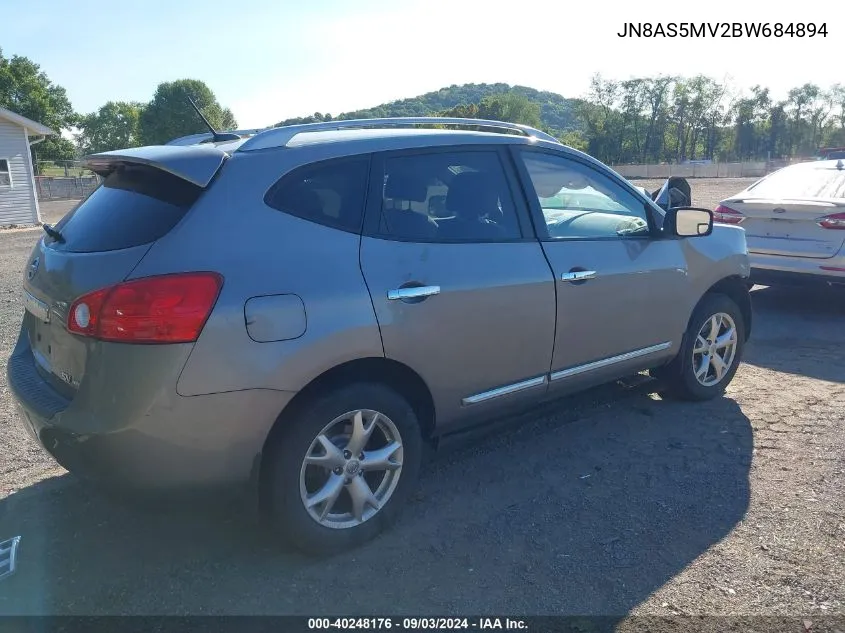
305	308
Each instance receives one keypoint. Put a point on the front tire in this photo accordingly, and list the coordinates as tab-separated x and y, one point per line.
710	353
343	467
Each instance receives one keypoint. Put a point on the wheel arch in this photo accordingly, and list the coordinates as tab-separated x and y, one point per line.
394	374
398	376
736	289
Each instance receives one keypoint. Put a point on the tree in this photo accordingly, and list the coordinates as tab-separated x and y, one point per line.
113	126
801	100
632	104
314	118
462	111
575	139
837	126
656	91
819	110
170	115
26	90
512	107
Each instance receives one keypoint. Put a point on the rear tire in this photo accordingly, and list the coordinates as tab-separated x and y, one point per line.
710	353
364	492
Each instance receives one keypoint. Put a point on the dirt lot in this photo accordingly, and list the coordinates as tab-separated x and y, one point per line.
613	502
706	192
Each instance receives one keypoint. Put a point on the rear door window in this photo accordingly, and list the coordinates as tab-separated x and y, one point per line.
135	205
330	193
446	196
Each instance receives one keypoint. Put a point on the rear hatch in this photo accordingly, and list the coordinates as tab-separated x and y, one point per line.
144	194
784	214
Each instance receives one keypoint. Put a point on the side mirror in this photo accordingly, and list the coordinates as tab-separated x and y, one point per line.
688	222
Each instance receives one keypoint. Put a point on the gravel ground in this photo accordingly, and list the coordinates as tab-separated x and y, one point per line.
706	192
612	502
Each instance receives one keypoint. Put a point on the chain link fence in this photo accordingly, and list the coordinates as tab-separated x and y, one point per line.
64	180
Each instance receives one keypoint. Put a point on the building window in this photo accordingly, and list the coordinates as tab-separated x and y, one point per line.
5	173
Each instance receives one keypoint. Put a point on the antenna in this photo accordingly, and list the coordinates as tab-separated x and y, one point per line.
216	137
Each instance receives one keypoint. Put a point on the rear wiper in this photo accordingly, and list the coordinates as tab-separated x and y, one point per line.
56	235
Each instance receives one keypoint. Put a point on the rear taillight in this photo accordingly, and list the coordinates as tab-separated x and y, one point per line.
162	309
726	215
835	221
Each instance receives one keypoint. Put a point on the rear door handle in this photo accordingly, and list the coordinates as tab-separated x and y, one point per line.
412	292
579	275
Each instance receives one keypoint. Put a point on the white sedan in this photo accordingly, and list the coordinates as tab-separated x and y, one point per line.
794	221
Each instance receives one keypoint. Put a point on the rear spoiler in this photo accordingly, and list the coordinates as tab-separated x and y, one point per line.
196	164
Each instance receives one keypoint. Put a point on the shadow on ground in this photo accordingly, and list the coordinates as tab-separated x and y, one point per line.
795	330
587	507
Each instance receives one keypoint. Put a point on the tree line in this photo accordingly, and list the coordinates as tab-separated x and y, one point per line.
674	119
557	113
638	120
664	119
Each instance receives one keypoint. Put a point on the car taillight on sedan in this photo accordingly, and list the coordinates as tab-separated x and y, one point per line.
835	221
161	309
726	215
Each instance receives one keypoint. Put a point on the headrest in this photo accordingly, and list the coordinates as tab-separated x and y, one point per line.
472	194
406	185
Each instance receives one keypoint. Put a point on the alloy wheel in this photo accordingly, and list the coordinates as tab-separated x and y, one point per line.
351	469
714	350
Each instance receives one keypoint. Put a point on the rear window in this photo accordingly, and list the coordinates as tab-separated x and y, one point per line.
135	205
802	182
330	193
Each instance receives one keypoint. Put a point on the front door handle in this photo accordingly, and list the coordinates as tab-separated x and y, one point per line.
412	292
579	275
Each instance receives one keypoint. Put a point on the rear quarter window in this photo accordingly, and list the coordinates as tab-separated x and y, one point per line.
331	193
135	205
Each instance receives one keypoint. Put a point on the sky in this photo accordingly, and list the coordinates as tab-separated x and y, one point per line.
268	60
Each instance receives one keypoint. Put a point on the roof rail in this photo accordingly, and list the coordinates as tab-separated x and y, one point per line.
282	136
194	139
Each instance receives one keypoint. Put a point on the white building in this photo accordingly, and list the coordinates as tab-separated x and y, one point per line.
18	197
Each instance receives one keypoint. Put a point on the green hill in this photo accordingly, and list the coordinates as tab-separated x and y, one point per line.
557	113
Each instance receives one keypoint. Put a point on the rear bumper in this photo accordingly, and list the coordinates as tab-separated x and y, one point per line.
802	271
163	441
